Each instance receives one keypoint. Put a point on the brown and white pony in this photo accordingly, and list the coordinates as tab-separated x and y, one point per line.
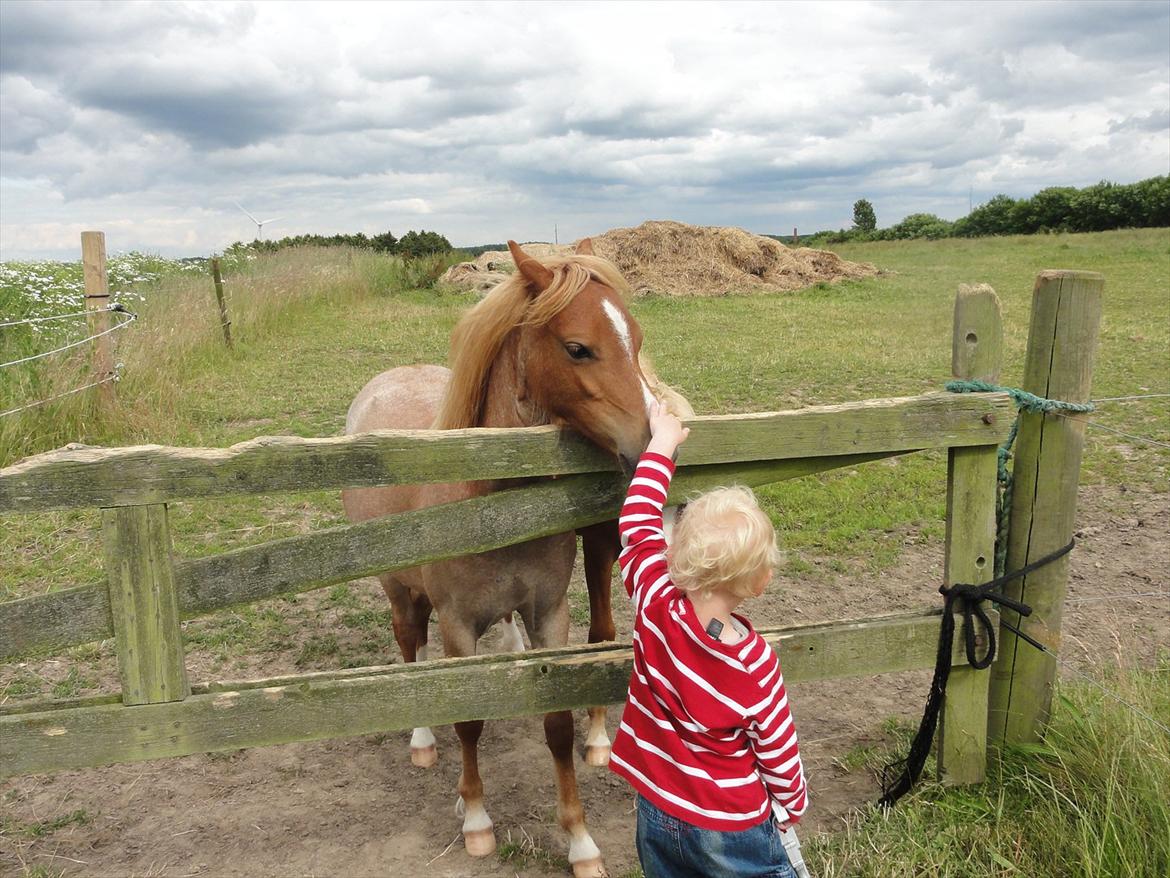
554	344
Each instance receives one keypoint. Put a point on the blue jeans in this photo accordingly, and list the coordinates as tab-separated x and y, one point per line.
672	848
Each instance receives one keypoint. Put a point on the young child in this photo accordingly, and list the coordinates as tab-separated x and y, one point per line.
706	738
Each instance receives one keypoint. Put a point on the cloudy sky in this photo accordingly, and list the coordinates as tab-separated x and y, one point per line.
490	121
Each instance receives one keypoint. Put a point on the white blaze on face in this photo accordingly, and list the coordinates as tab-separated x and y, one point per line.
621	327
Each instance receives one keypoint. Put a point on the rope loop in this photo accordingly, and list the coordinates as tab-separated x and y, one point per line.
1024	401
899	776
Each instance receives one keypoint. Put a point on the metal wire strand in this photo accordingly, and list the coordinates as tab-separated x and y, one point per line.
116	375
62	316
118	309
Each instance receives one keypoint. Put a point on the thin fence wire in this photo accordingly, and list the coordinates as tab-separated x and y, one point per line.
1126	398
118	309
73	314
1088	679
1068	666
1117	597
1097	426
113	376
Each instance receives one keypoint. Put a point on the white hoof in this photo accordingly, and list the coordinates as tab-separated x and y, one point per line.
594	868
586	858
480	842
423	752
597	755
424	757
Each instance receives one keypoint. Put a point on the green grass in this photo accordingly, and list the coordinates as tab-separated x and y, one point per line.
1091	800
312	328
315	336
41	828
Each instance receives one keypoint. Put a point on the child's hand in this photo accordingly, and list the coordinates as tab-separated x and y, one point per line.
666	431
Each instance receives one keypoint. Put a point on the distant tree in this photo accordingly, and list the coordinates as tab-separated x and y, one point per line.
864	219
384	243
414	244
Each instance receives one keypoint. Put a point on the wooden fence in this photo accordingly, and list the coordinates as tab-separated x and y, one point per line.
147	592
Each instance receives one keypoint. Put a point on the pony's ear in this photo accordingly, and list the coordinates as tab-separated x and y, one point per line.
536	274
585	247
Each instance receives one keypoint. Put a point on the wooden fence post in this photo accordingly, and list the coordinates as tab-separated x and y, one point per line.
976	352
223	314
1062	342
144	604
97	299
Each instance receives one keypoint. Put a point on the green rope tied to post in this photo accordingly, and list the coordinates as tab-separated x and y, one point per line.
1026	402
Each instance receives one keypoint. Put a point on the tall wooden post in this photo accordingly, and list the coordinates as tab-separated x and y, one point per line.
976	352
223	314
97	299
144	604
1062	342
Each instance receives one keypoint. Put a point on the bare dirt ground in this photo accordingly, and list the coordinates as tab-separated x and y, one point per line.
358	808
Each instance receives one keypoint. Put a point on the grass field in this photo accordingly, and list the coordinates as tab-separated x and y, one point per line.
312	327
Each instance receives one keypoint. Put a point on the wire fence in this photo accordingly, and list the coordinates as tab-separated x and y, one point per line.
129	316
114	376
69	315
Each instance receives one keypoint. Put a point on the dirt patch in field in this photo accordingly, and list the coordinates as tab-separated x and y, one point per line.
676	259
358	808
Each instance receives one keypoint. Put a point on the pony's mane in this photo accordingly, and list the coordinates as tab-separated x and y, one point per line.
478	337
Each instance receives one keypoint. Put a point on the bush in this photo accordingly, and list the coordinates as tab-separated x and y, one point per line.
416	244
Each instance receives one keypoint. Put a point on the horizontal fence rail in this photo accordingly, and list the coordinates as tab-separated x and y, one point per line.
78	477
232	715
407	539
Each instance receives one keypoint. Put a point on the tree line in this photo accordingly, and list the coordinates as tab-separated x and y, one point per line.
412	245
1096	208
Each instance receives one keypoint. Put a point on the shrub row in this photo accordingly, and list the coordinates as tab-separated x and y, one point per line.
412	245
1097	208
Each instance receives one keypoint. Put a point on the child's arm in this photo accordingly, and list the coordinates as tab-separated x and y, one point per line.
643	557
773	740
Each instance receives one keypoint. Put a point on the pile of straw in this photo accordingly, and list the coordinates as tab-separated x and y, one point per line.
676	259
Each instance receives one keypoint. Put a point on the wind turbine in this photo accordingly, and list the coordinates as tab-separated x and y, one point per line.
259	223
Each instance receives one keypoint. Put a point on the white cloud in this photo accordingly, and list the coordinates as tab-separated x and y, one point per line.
488	121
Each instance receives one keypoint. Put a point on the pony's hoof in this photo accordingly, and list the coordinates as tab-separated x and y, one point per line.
592	868
424	757
480	842
597	755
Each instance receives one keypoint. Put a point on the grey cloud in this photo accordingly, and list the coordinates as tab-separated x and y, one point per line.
28	114
1155	120
38	36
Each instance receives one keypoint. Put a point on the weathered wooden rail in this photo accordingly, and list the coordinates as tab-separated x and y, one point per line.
147	592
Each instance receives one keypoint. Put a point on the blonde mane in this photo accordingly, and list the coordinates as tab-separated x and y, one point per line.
477	339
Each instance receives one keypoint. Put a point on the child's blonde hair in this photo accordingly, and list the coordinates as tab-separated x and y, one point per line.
723	540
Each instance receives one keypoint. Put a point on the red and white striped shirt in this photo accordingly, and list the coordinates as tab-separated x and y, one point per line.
706	734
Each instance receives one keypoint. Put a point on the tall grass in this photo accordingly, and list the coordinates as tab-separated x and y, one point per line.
1091	800
177	333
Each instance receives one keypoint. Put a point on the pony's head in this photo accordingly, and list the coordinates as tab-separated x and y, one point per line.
576	351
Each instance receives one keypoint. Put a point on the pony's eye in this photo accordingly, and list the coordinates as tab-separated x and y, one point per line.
578	351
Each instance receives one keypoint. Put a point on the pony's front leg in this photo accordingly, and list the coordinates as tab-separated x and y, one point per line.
600	546
479	836
553	630
410	613
584	855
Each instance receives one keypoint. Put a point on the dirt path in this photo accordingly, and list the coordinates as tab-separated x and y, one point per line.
358	808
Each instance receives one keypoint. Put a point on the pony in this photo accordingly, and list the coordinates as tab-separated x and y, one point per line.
553	344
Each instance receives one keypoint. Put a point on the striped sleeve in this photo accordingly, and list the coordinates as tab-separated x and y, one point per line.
773	740
643	557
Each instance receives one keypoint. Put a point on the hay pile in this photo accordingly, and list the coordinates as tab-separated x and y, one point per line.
676	259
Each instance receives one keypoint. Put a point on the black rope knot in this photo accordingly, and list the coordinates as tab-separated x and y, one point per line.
899	776
970	599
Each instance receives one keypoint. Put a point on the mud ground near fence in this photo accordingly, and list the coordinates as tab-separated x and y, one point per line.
357	807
